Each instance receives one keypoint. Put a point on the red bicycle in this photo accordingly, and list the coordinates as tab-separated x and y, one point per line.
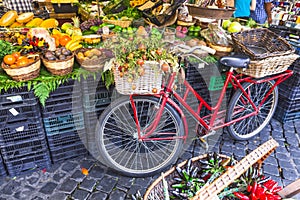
139	135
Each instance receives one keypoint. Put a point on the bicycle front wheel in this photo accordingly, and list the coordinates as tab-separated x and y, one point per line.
118	142
239	106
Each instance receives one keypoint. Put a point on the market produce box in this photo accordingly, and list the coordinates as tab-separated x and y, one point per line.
22	136
65	6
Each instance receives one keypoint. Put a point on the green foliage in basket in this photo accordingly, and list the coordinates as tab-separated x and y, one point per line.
46	83
131	54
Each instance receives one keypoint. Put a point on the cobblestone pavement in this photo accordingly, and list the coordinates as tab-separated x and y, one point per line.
66	181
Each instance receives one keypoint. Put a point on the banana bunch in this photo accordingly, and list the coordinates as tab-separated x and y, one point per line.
75	43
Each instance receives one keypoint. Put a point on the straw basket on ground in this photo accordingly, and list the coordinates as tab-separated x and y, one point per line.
209	191
25	73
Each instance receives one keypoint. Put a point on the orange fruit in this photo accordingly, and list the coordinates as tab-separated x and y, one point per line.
22	62
16	55
9	59
64	40
56	37
13	66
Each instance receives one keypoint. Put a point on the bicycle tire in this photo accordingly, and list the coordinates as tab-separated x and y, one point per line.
251	126
118	143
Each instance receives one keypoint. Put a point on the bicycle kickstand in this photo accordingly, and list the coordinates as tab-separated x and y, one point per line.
203	139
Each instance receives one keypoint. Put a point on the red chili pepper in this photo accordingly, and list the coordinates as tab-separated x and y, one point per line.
260	191
241	196
254	187
277	189
249	188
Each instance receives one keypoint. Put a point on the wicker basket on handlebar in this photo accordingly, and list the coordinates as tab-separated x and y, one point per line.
269	53
149	83
209	192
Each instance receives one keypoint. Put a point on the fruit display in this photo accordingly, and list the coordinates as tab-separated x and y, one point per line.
59	54
8	18
12	37
34	45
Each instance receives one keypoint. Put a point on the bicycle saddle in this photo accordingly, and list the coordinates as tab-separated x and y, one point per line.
236	61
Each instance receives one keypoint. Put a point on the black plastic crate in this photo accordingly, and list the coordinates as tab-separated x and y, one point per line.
283	115
16	97
95	94
289	92
60	140
68	152
21	132
36	161
65	8
20	113
288	105
295	66
63	123
23	149
2	168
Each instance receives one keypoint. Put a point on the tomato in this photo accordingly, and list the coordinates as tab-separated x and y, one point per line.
140	62
22	62
9	59
165	67
16	54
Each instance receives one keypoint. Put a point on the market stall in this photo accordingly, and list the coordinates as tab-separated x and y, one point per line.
58	71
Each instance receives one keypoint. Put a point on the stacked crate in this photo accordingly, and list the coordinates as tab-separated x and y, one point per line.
289	96
22	138
96	97
64	122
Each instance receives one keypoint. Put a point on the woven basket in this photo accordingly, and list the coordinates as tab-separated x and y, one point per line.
208	192
122	23
261	43
91	65
24	73
269	53
268	66
145	84
60	67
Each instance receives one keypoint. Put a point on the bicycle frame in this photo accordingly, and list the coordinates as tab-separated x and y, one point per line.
235	79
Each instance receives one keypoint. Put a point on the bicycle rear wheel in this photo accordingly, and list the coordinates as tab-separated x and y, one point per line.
239	106
118	142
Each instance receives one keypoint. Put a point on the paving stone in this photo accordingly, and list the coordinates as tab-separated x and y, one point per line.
58	196
97	172
48	188
289	174
277	134
297	161
282	156
117	195
10	188
292	142
80	195
186	156
271	160
68	186
69	166
54	167
98	196
37	198
33	178
239	152
285	164
227	149
107	184
88	184
271	169
290	134
281	149
143	182
78	176
125	181
295	153
87	163
59	176
134	189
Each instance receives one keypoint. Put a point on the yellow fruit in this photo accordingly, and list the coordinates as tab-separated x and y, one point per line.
8	18
75	47
72	44
25	17
34	22
49	23
16	24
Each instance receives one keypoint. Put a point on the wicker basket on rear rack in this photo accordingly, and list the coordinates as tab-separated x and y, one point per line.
149	83
208	192
269	53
